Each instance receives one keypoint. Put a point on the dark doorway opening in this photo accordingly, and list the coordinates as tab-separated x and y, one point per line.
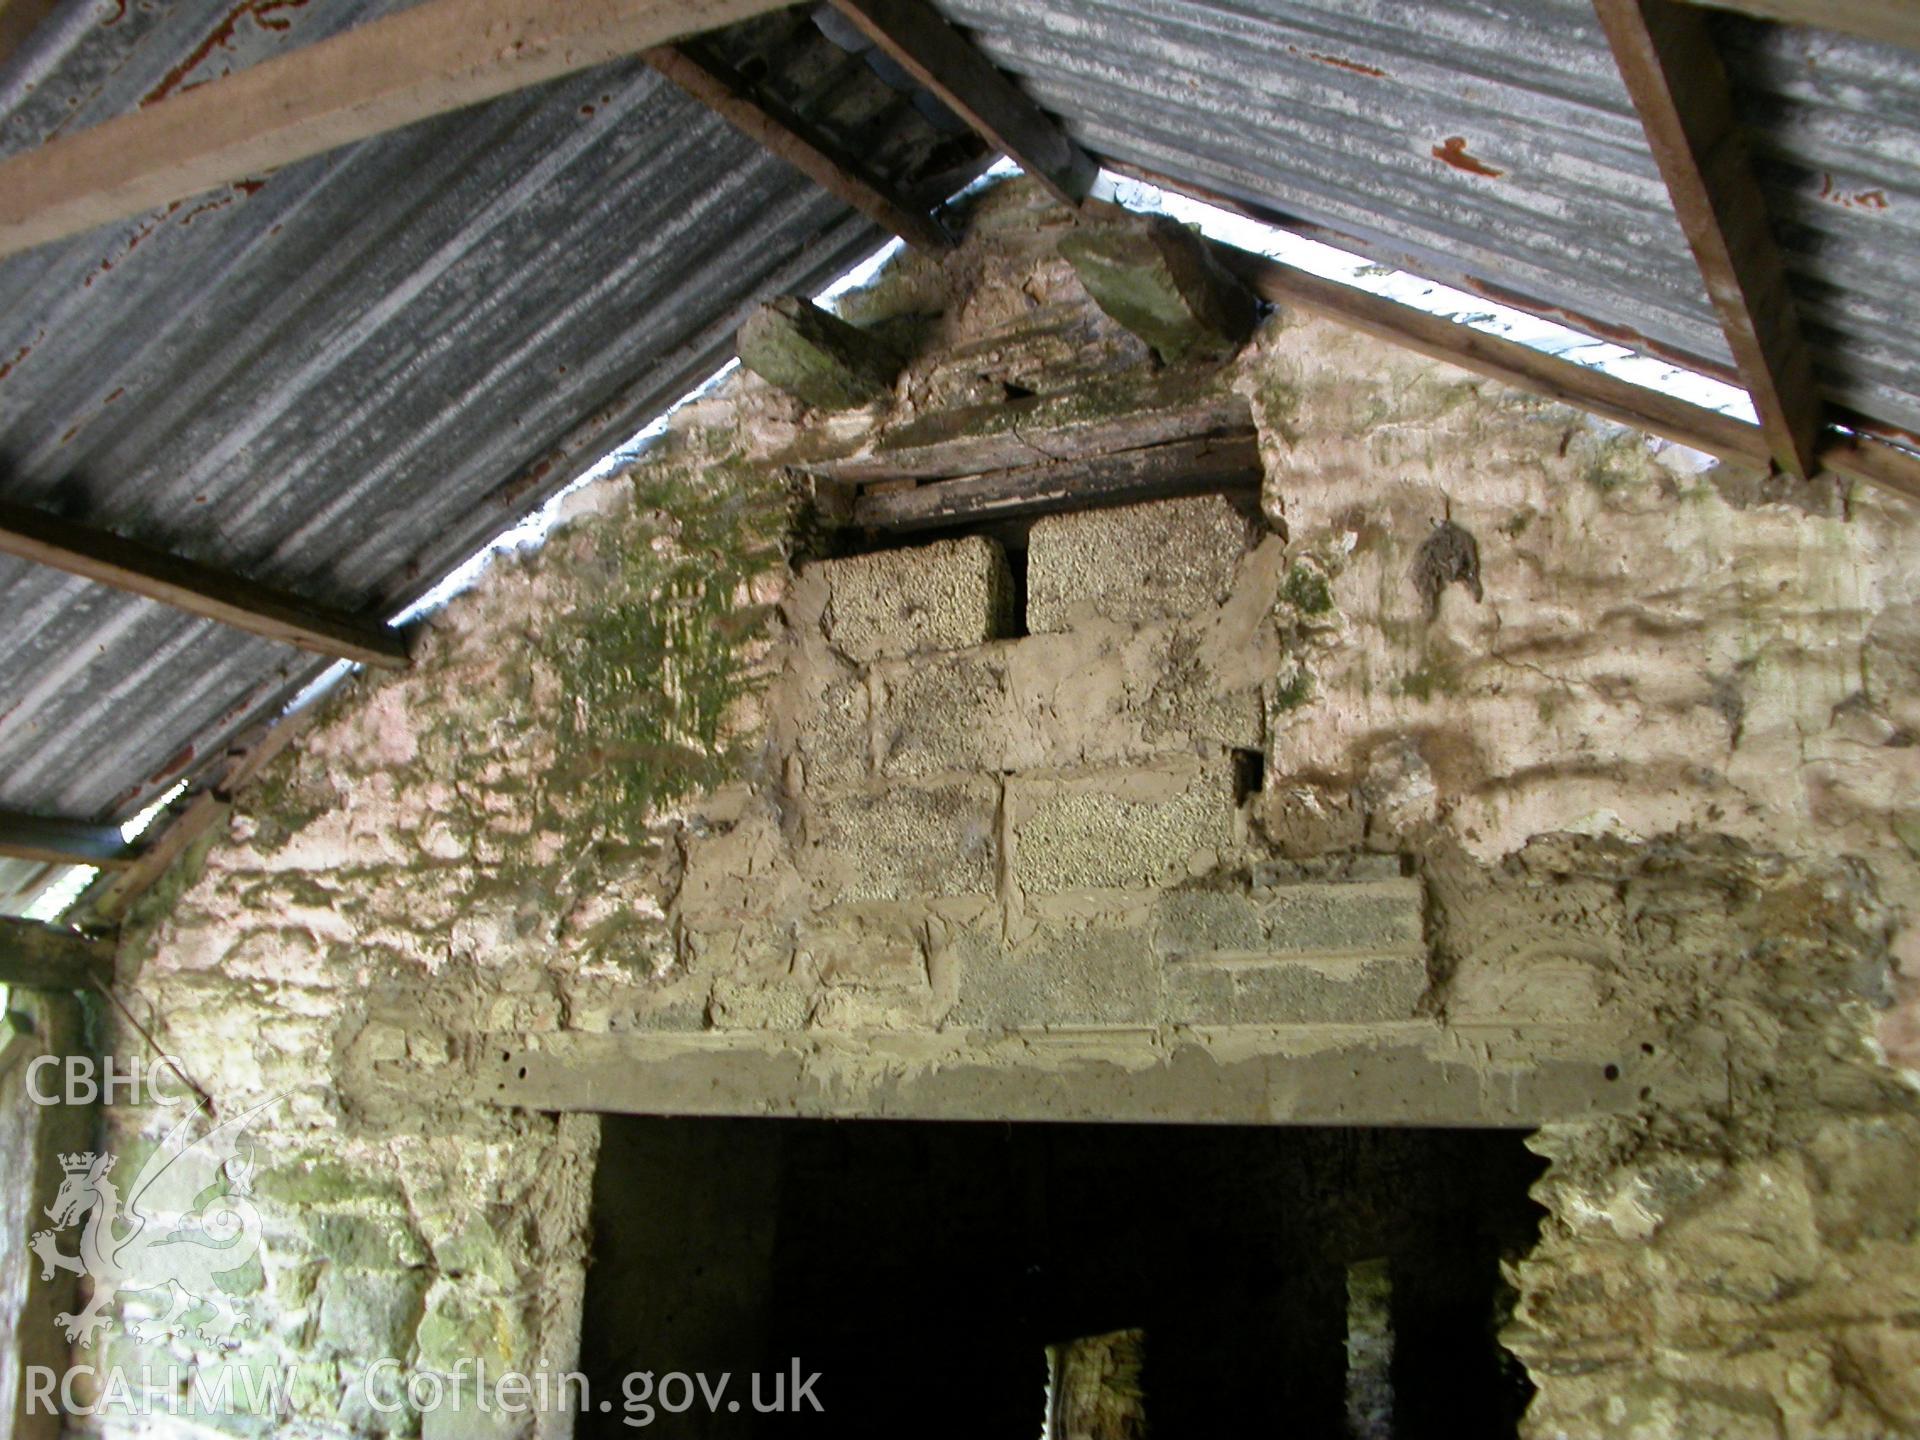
922	1271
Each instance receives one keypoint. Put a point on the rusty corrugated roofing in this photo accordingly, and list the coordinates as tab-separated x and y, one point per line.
344	378
1491	144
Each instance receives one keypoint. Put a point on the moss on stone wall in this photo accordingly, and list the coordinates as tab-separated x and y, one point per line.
651	675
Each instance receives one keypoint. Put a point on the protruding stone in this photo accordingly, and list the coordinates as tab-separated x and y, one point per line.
794	344
1157	278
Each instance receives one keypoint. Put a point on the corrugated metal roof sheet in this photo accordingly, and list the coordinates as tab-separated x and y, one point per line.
345	378
1491	144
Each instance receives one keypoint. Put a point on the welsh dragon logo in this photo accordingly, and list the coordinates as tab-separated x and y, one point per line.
188	1218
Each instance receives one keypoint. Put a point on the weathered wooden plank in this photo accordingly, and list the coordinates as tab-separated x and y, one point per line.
952	67
1666	56
32	1139
107	559
17	1040
793	141
47	957
978	439
1896	22
434	57
1875	461
62	842
1182	467
200	814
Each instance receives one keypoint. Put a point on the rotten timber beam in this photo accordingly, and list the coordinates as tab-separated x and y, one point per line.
46	957
944	60
1015	434
793	141
107	559
1895	22
1666	56
62	842
427	60
1180	467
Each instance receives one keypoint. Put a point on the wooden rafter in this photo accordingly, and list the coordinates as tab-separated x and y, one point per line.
198	589
1896	22
794	141
426	60
1666	56
46	957
970	85
62	842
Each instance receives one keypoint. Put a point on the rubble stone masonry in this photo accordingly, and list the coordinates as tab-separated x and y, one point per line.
1209	769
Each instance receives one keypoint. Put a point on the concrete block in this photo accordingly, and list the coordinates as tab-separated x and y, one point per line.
1201	922
1158	279
943	713
1096	975
1371	917
1272	875
1137	828
755	1005
944	596
1189	701
1136	563
1077	699
738	947
1105	697
794	344
906	842
1301	918
1369	990
831	736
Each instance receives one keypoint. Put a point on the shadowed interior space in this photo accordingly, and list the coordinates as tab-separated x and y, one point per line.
925	1270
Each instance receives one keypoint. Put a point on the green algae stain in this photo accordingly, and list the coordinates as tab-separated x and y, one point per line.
651	674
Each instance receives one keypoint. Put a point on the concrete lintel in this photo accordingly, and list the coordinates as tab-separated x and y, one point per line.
1407	1073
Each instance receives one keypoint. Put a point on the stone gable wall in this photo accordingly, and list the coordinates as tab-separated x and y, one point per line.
1640	789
